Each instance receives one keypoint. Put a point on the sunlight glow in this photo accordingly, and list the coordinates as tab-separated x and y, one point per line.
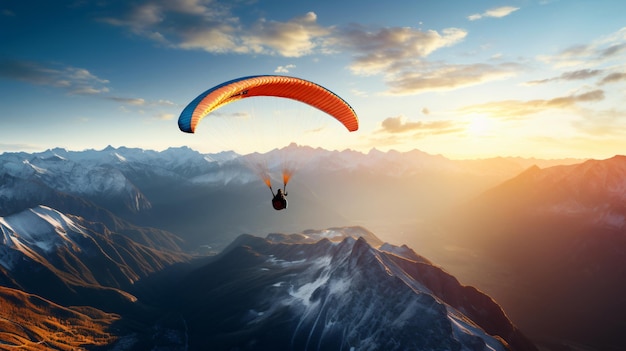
480	126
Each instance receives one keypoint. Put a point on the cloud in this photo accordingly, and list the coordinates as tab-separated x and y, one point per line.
214	28
141	101
397	53
497	12
400	55
297	37
398	131
613	78
444	77
165	116
147	17
162	102
284	69
128	101
74	80
609	48
399	125
388	50
516	108
185	24
569	76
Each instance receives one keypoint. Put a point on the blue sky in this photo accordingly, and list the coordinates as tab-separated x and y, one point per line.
465	79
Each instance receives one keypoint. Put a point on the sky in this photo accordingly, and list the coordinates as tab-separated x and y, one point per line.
464	79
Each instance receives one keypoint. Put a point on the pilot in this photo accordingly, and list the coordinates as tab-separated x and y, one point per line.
279	202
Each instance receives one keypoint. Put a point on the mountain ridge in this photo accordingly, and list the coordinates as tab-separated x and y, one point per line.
281	308
558	230
71	255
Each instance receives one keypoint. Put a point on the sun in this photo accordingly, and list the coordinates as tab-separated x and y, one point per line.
479	126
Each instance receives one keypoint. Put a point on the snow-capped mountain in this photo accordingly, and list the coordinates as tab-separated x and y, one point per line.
339	292
35	233
318	289
54	255
112	178
59	174
186	192
120	176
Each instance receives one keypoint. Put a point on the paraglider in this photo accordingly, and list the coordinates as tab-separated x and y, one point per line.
293	88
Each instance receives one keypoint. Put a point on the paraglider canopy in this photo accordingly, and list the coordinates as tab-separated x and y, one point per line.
267	85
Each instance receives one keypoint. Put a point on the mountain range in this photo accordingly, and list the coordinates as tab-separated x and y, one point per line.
148	187
318	289
125	232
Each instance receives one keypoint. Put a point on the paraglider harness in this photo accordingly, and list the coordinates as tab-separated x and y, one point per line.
279	200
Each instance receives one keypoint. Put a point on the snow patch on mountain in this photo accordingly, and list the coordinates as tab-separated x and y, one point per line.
303	293
120	157
38	170
37	230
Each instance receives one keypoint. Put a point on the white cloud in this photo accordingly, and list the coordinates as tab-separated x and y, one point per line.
297	37
218	39
129	101
284	69
394	129
497	12
165	116
212	27
162	102
393	49
399	54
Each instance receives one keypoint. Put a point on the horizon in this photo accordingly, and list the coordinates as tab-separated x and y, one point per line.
366	152
532	79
